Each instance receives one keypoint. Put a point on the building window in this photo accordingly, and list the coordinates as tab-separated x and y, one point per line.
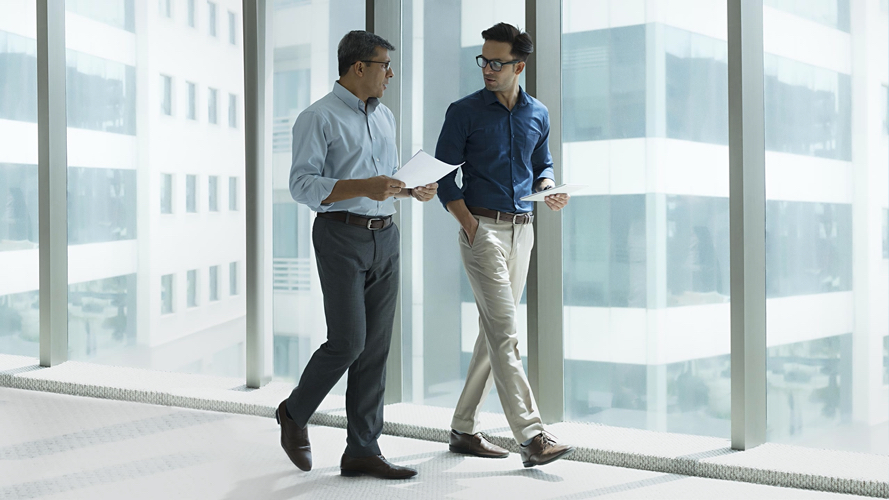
232	111
192	101
191	13
193	288
211	18
212	100
167	95
213	193
232	26
233	278
165	7
214	283
166	193
232	193
167	294
191	194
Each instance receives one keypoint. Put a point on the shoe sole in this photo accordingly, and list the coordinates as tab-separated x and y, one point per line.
356	473
551	460
462	451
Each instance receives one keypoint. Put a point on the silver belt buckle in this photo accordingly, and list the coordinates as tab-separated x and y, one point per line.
370	221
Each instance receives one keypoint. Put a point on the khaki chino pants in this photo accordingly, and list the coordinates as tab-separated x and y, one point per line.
497	267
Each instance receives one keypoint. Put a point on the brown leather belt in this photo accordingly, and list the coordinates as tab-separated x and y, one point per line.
372	223
524	218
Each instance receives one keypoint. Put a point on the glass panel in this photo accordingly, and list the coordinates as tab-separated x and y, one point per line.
232	27
166	193
826	274
191	13
213	190
191	194
305	69
212	103
233	278
166	95
232	110
211	18
441	325
646	245
192	101
214	283
144	249
117	13
19	217
232	193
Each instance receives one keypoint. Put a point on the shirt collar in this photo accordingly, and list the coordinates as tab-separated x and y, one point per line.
353	101
491	98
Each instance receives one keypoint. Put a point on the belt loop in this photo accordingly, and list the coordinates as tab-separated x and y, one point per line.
497	219
347	217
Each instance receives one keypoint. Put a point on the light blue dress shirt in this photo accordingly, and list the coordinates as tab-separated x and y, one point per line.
338	137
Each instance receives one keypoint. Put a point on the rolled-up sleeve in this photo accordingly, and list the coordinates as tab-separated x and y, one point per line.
541	159
307	182
451	148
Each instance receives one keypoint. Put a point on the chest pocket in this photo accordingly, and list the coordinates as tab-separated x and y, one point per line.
384	146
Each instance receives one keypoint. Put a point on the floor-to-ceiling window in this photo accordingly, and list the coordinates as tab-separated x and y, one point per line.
146	238
19	298
826	188
441	42
306	35
645	245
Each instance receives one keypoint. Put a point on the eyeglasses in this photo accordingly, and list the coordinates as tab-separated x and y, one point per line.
495	65
384	63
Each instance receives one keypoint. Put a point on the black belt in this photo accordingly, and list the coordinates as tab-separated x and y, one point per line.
524	218
372	223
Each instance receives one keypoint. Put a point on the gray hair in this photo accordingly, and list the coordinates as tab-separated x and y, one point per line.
357	46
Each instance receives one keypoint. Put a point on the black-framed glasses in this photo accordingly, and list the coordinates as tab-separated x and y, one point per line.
495	65
384	63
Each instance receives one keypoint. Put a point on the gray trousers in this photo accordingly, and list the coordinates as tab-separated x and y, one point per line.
359	272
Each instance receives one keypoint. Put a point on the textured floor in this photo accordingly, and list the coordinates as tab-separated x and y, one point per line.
67	447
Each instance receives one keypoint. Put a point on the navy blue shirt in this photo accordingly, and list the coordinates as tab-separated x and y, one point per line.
505	152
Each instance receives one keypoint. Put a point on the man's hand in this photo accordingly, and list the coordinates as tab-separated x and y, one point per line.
425	193
381	187
555	202
558	201
471	229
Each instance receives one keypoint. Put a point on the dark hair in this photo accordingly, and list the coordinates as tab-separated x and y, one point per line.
357	46
521	43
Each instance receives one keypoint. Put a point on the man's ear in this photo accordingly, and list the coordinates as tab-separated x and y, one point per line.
519	67
358	68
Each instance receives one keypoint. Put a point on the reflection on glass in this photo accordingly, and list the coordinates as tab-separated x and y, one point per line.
824	266
192	113
232	111
233	278
646	272
117	13
190	7
232	193
232	26
102	317
19	217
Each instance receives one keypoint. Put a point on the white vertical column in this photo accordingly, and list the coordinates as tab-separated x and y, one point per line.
258	67
747	222
52	143
384	19
546	366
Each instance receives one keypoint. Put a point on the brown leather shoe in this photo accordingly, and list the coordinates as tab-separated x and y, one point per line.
543	449
475	444
374	465
294	439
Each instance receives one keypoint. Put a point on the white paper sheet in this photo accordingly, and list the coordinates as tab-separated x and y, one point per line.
423	169
561	188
